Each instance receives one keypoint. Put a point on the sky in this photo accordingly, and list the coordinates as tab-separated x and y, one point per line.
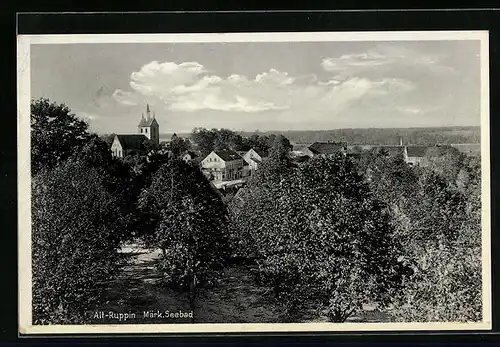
263	85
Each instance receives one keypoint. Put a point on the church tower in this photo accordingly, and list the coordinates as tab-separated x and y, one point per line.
149	126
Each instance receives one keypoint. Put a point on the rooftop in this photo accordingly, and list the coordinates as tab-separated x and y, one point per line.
326	147
228	155
133	141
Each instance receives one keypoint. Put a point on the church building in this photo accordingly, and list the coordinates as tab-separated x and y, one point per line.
128	144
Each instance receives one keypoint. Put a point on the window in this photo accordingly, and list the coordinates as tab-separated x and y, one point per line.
146	130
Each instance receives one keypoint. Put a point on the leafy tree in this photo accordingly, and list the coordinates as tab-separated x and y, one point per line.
445	161
323	242
55	134
108	138
189	223
204	139
446	286
178	145
76	232
442	230
437	212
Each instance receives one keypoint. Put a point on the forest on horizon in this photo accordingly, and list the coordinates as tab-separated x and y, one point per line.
379	136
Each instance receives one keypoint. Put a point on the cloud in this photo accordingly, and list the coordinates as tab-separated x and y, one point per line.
190	87
87	116
384	58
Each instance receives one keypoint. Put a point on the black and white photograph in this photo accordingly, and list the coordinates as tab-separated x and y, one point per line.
254	182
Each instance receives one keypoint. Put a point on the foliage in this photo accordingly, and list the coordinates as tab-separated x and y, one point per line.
178	145
436	214
76	225
323	242
446	286
189	223
445	161
213	139
55	133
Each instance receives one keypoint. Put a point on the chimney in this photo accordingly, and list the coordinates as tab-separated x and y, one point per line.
401	141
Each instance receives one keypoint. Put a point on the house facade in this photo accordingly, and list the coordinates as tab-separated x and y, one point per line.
223	165
254	158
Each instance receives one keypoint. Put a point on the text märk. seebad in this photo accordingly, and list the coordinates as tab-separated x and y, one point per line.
168	314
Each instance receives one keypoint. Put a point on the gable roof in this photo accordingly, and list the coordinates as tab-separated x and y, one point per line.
147	122
261	152
227	155
392	150
416	151
134	141
326	147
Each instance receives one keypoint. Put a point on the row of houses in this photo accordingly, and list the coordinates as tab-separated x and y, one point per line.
229	165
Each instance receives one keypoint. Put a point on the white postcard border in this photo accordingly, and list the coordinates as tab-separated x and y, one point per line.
24	181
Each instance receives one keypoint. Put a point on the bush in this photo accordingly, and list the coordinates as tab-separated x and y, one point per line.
74	241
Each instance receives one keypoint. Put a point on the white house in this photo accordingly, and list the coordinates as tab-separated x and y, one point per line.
223	165
254	157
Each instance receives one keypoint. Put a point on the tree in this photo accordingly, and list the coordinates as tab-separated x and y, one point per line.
76	224
189	223
445	161
55	134
204	139
442	232
323	242
178	145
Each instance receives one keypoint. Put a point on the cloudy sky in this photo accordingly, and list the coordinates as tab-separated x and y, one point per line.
265	86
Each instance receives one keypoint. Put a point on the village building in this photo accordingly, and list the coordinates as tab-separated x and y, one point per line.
254	158
129	144
416	155
325	149
189	156
124	145
223	165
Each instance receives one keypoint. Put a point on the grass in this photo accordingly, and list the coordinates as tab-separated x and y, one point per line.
237	299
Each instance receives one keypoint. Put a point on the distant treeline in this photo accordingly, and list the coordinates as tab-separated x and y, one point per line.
382	136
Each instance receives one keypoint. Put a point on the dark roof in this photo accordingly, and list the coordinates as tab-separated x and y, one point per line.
134	141
326	147
416	151
147	122
191	153
227	155
393	150
261	152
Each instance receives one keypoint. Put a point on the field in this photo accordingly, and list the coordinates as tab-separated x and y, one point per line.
235	300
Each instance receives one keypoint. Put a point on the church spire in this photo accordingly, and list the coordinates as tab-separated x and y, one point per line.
147	110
